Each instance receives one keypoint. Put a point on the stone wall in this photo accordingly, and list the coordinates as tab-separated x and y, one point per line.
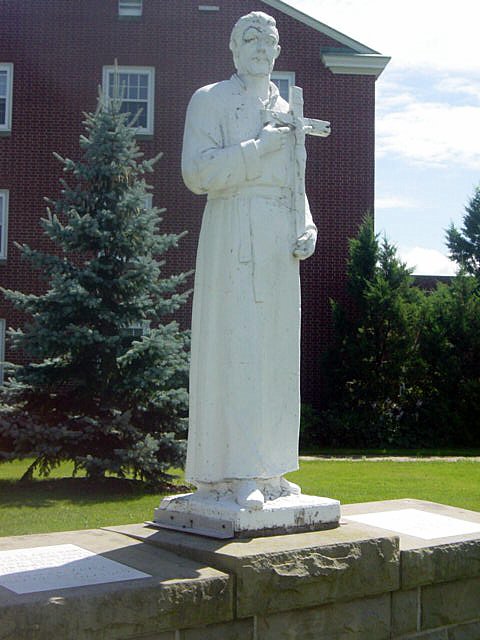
354	582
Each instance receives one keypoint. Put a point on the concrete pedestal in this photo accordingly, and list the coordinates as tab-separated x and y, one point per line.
222	517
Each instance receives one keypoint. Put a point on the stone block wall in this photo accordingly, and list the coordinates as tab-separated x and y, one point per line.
350	583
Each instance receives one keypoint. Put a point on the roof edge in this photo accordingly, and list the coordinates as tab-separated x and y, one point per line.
358	47
365	64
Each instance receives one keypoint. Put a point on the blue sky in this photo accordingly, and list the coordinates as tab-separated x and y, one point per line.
427	118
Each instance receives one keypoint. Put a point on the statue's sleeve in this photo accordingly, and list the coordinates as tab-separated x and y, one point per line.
309	223
207	164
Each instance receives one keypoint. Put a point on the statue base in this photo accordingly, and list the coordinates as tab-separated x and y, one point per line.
219	516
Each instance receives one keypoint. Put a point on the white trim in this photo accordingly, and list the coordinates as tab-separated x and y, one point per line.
289	76
355	63
319	26
2	349
130	8
3	223
7	125
208	7
150	71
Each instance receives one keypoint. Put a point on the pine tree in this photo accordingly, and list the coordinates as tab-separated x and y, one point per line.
464	245
374	365
94	393
450	346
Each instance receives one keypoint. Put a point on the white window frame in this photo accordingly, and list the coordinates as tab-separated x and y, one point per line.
3	223
130	8
6	127
150	102
289	76
2	349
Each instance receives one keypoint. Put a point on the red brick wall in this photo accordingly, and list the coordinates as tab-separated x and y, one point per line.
59	47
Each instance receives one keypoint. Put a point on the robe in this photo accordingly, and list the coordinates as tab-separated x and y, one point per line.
245	358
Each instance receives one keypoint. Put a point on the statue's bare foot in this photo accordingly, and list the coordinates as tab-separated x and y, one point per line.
289	488
278	487
248	495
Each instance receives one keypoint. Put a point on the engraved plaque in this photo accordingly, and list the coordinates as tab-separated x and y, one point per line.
61	566
417	523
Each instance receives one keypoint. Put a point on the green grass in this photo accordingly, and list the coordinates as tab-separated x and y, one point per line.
414	453
452	483
62	503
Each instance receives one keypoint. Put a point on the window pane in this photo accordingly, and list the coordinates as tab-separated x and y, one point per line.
282	84
3	111
130	7
3	84
2	213
132	108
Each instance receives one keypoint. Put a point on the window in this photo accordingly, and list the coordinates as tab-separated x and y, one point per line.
6	90
130	8
148	200
284	80
3	223
2	348
136	88
138	329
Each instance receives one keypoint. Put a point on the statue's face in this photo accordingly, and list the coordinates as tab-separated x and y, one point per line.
257	51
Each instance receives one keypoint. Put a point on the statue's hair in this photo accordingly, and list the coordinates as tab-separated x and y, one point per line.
251	19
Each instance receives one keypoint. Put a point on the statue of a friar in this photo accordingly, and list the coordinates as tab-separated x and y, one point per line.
242	153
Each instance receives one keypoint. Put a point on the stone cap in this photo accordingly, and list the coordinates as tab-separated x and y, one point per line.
446	556
178	593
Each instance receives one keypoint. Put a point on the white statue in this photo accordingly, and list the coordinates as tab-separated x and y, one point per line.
243	148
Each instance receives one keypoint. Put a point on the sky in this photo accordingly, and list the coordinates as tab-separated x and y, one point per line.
427	116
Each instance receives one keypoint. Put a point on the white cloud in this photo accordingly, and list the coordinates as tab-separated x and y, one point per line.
394	202
433	34
461	85
427	261
431	134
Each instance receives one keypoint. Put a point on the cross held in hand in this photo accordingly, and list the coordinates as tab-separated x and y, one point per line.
301	126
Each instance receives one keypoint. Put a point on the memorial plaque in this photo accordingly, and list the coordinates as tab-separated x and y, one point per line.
417	523
61	566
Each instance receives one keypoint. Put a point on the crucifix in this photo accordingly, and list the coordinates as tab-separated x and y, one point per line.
301	126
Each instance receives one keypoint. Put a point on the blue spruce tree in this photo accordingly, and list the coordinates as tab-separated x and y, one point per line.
94	392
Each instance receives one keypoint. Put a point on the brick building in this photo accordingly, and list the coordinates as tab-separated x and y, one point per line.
54	54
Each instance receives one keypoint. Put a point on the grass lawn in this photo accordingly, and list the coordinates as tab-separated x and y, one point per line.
61	503
452	483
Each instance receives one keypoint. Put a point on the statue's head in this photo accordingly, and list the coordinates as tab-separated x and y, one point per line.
254	44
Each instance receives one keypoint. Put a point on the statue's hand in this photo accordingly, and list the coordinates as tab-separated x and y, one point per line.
305	245
272	139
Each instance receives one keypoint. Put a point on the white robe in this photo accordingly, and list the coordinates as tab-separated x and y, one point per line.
245	359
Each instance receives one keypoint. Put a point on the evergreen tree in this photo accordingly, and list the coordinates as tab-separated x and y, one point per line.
464	245
450	347
94	393
374	365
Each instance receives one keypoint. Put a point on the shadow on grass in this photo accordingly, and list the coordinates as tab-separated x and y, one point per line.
78	491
